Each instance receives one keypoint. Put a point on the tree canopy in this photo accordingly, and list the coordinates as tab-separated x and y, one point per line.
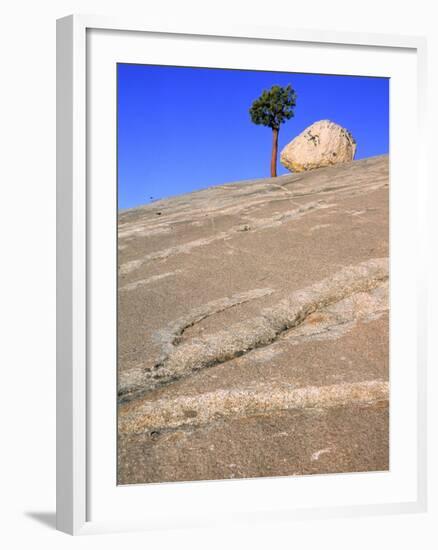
274	106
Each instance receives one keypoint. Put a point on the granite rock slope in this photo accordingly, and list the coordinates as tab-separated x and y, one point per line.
253	328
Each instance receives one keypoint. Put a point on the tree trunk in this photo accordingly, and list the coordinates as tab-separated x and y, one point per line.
274	152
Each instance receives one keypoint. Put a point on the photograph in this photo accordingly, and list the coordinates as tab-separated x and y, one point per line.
252	274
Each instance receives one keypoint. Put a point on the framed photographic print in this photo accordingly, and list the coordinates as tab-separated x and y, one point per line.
240	275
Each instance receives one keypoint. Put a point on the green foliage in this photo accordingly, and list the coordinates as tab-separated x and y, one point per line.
274	106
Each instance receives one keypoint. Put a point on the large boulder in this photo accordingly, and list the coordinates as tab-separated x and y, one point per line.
324	143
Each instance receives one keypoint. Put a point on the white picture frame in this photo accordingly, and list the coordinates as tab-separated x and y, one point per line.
76	383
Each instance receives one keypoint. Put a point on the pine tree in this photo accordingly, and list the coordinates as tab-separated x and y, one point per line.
271	109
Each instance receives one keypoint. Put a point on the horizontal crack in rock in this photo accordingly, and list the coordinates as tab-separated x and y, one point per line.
260	224
144	282
264	329
139	378
240	338
171	336
202	409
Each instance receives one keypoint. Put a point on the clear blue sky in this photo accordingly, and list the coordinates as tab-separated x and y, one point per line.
181	129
